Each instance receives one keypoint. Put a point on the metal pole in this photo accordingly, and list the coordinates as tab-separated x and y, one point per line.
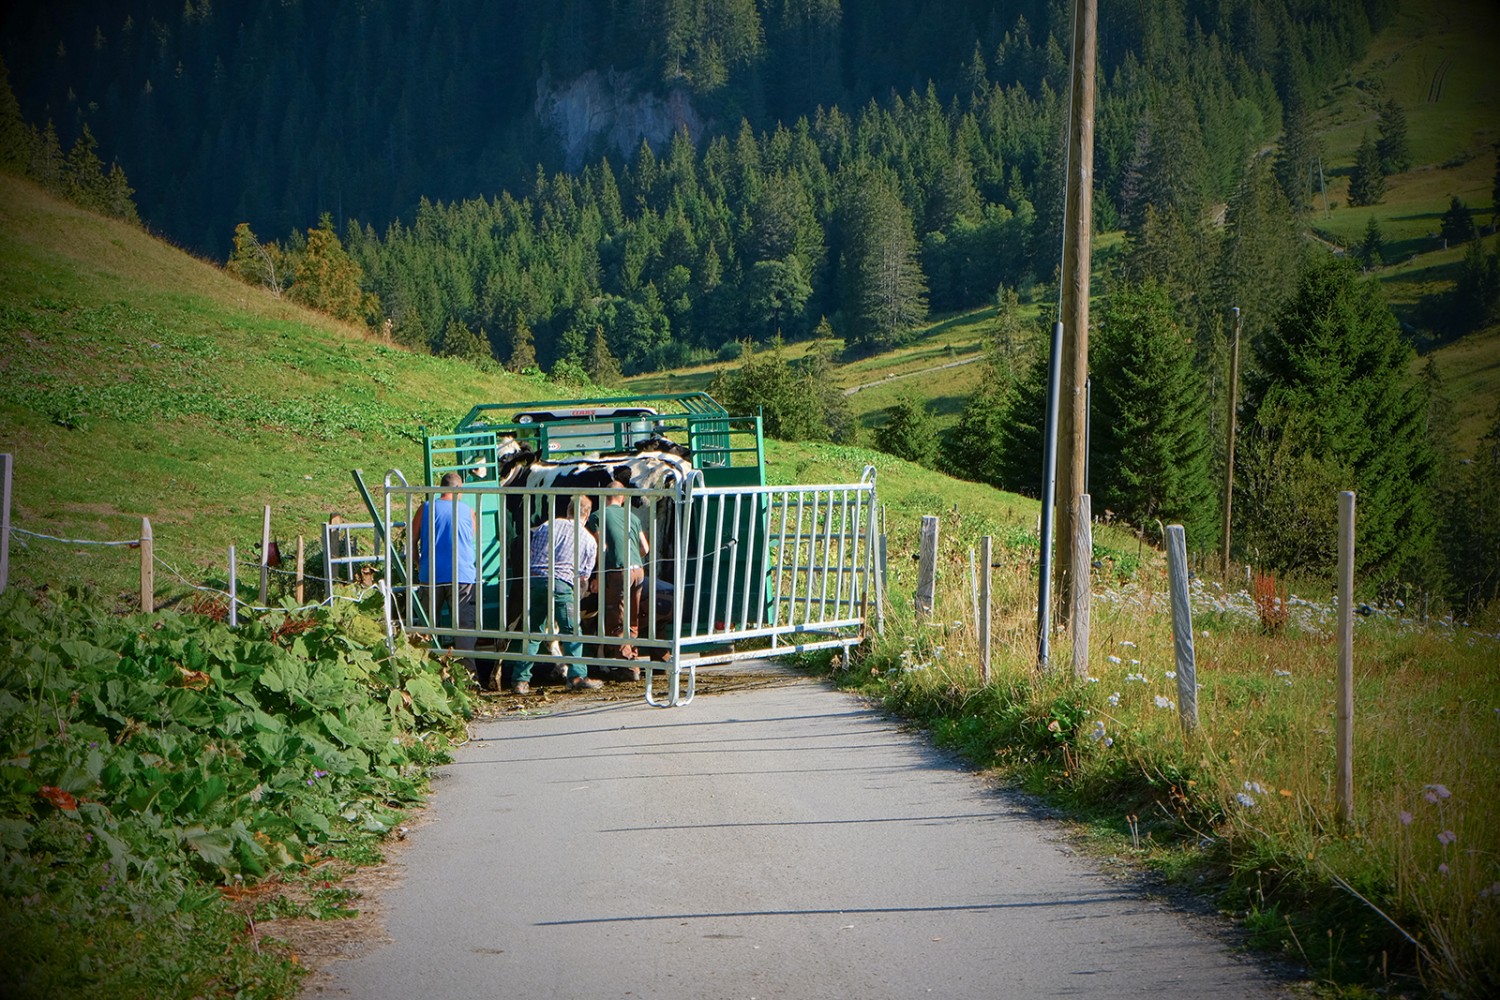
1182	628
1234	392
234	609
5	467
1049	492
1346	659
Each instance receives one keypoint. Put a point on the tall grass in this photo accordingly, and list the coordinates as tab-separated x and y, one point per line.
1409	891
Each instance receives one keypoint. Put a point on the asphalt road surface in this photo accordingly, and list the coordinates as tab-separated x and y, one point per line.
780	840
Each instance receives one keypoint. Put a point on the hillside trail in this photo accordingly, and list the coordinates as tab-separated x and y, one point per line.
921	371
774	838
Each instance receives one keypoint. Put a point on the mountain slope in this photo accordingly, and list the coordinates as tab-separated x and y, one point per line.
136	381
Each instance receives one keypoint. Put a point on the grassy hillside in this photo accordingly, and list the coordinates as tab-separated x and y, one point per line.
136	381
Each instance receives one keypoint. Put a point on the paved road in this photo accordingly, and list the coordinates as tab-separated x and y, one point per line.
780	840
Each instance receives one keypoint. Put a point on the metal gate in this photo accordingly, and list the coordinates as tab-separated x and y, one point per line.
734	572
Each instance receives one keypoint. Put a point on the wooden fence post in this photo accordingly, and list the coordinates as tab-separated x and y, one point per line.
1082	581
265	555
985	557
148	568
927	566
1346	659
5	466
301	554
1182	628
234	607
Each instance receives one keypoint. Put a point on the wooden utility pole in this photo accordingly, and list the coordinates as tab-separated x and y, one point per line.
1234	397
1072	452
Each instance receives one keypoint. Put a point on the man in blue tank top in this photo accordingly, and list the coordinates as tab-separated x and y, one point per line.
446	531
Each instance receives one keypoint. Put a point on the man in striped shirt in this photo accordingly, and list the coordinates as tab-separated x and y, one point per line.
563	554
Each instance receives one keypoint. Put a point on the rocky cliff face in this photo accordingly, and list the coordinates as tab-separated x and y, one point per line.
608	110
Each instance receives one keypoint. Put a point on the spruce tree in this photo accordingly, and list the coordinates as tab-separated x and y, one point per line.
908	432
1332	404
885	291
326	277
15	136
1370	251
1367	183
1495	191
602	367
1471	526
1458	223
973	448
463	343
1393	146
522	344
1150	422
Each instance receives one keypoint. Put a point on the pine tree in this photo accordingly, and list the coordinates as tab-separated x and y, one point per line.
1367	183
1150	440
885	290
1331	405
1495	191
463	343
1394	148
15	136
602	367
522	344
1471	526
1370	251
908	432
973	449
325	276
1458	223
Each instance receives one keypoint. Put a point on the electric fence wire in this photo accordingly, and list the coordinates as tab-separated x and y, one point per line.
133	543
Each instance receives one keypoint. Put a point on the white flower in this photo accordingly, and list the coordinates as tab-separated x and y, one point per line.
1091	680
1114	699
1163	702
1113	659
1170	674
1127	643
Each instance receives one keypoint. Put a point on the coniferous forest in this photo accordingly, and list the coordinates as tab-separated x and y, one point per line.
632	185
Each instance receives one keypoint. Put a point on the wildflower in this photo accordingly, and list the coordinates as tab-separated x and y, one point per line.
1053	727
1443	868
1244	800
1434	792
1254	786
1114	699
1112	658
1135	677
1091	680
1109	741
1405	818
1282	673
1447	837
1127	643
1098	732
1135	663
1170	674
1493	889
1164	702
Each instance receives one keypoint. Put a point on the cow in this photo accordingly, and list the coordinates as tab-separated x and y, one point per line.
664	445
641	469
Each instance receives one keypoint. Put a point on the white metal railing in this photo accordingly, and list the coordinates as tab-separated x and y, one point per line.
733	573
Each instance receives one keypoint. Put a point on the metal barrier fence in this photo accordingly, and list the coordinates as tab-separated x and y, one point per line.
732	573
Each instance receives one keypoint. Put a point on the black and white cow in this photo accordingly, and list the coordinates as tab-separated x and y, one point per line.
641	470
